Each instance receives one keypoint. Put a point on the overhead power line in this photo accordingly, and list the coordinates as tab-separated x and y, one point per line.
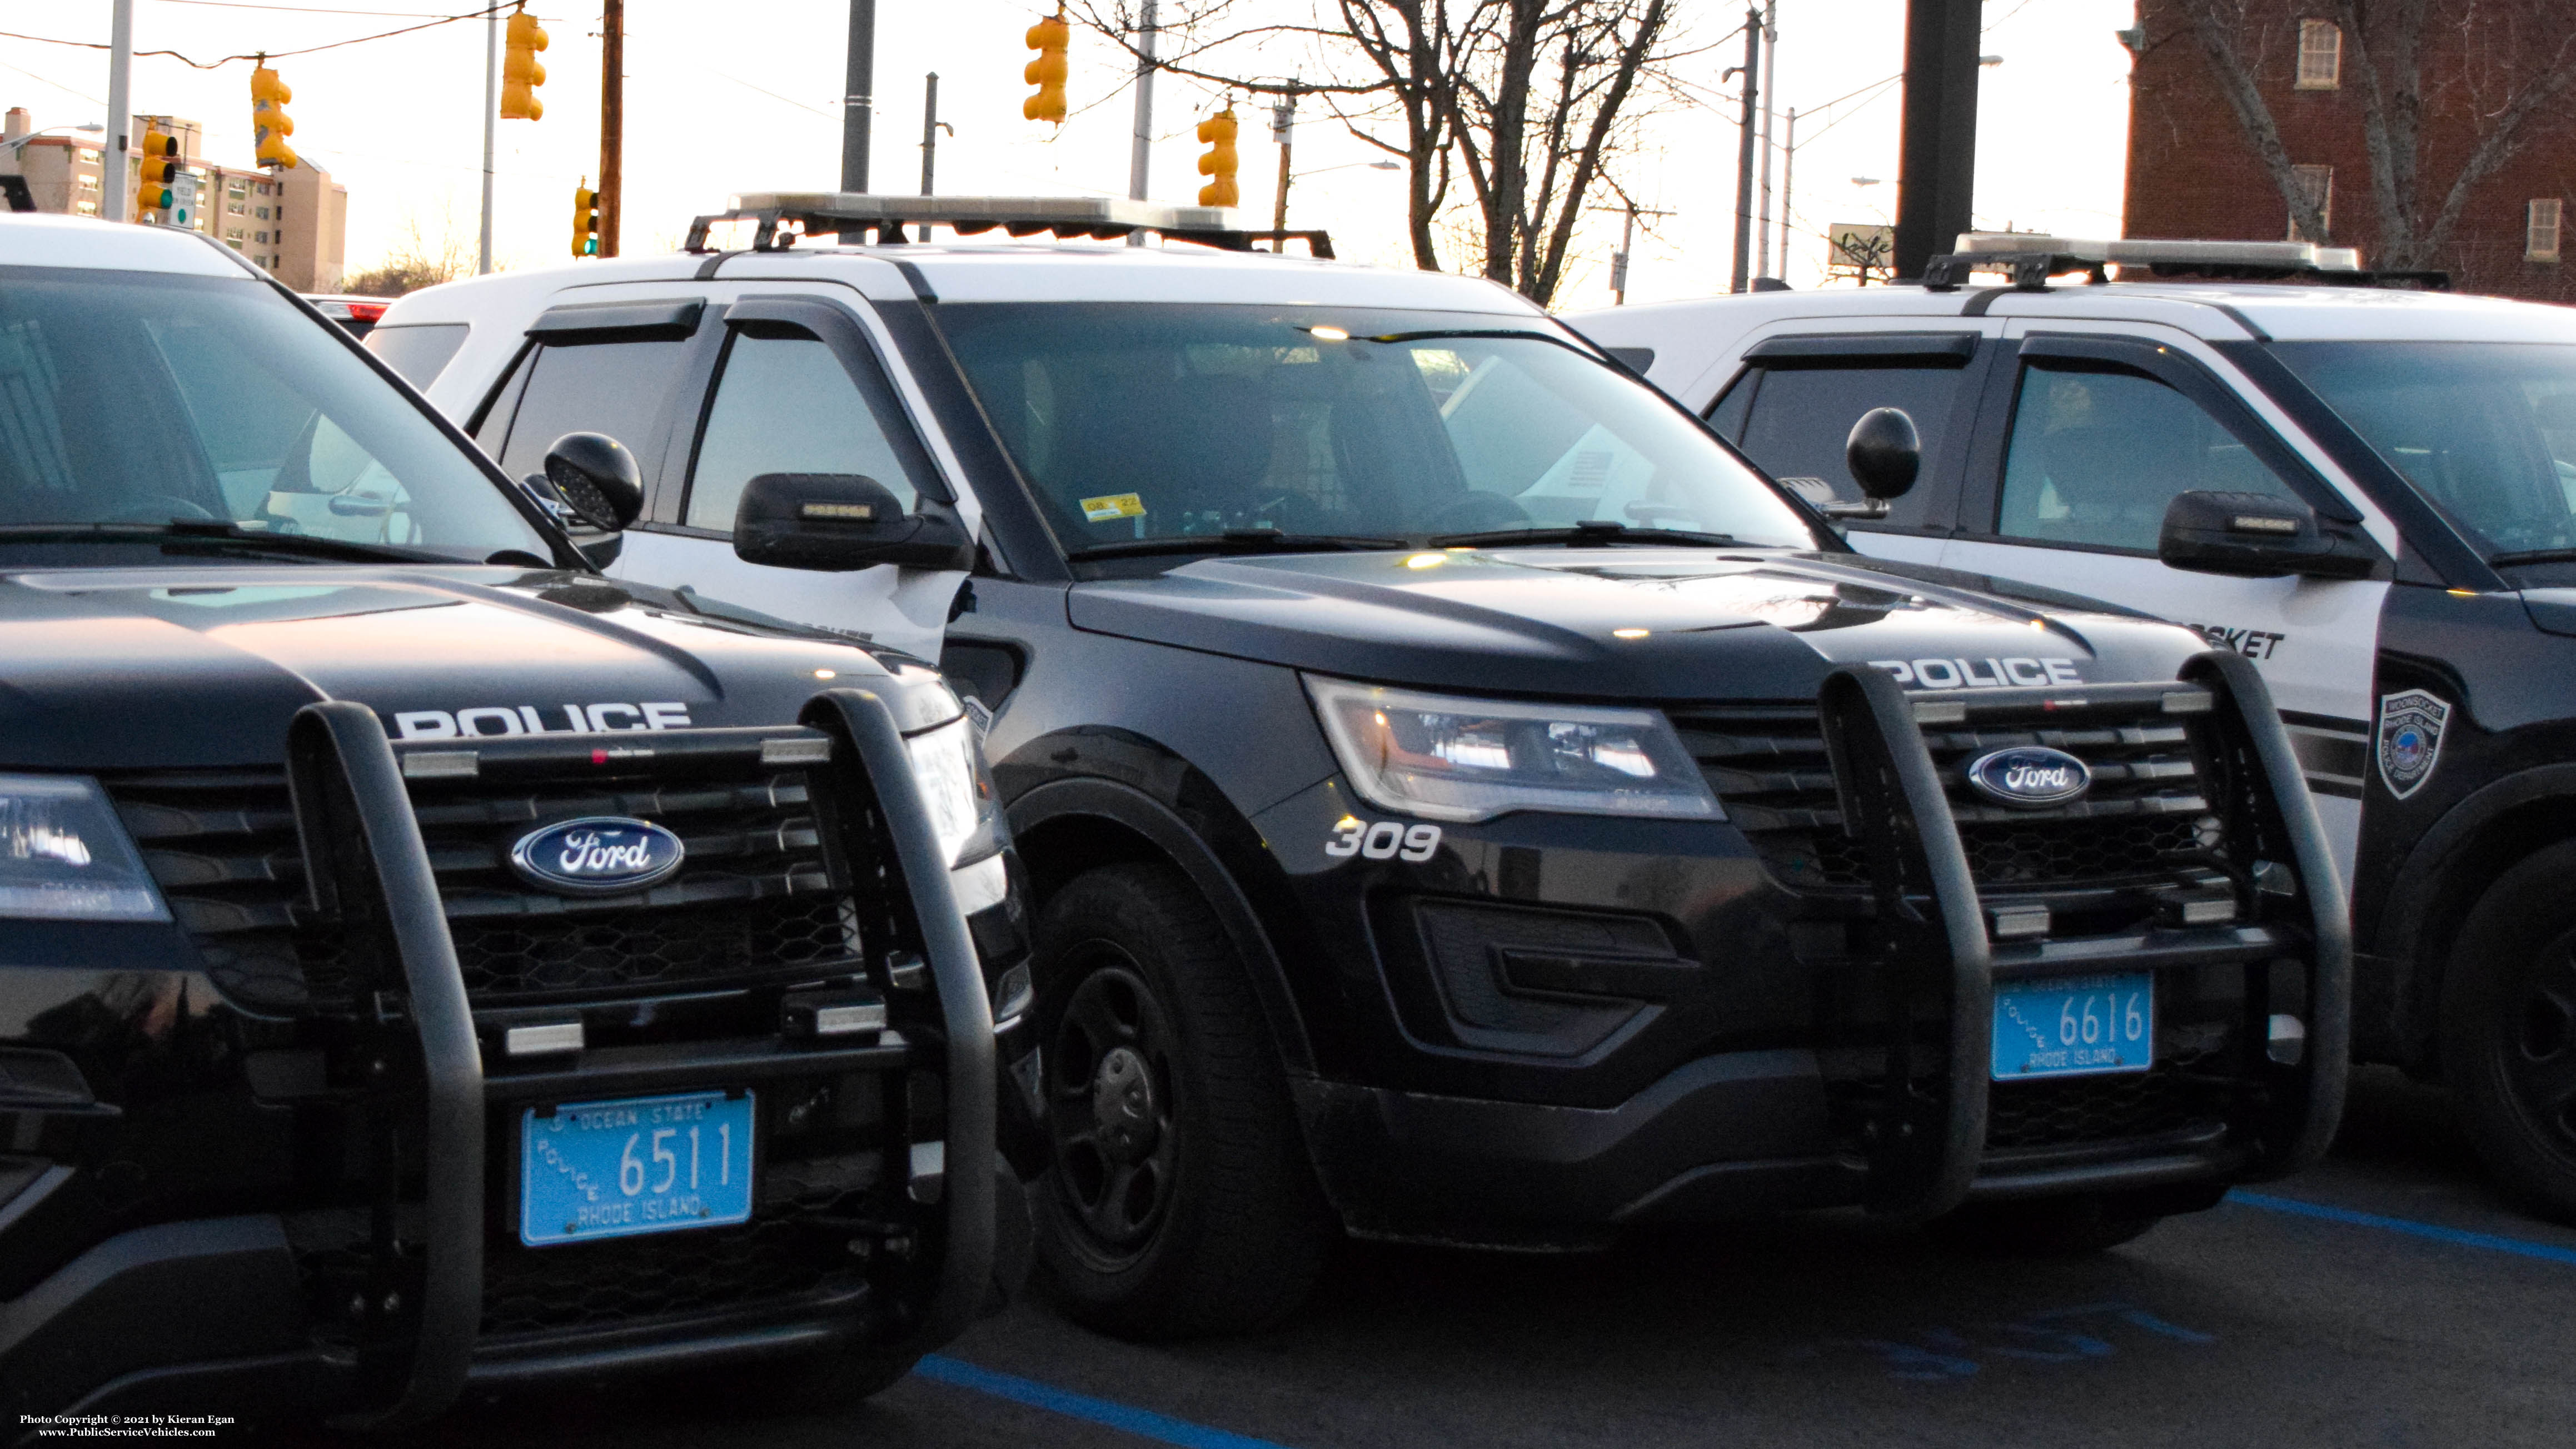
273	54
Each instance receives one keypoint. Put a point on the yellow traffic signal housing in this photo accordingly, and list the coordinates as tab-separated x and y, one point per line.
520	72
268	118
1219	162
1048	38
585	220
158	172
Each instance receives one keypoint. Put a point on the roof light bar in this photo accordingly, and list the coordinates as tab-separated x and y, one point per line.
1099	218
2031	260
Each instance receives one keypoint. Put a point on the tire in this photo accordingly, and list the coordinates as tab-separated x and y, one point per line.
2050	1227
2508	1030
1177	1200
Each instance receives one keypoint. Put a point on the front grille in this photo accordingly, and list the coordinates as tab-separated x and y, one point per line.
2070	1111
626	1280
2145	820
756	900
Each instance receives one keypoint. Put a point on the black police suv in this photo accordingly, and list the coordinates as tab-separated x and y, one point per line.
1468	803
426	966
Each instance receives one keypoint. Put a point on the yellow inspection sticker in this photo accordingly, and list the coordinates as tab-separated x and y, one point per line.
1112	507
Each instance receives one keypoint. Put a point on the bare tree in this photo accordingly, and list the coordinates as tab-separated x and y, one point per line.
2500	66
1522	104
415	260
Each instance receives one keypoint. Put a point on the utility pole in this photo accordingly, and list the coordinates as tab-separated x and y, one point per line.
1788	176
859	95
1937	170
1750	70
1770	85
113	191
1619	263
1140	155
612	122
930	128
491	119
1283	121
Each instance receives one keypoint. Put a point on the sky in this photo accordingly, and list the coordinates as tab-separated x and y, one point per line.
737	97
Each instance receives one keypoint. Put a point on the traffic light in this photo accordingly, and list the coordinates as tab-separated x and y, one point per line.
159	173
1048	38
520	72
1219	162
268	117
585	220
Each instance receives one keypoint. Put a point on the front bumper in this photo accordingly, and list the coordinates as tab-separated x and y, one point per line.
1842	1062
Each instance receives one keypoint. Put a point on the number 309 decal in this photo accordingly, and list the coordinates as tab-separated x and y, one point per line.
1382	841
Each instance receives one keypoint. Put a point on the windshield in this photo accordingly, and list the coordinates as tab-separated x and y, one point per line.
2485	429
137	398
1143	421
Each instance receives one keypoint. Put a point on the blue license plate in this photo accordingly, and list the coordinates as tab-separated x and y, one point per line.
639	1165
2072	1026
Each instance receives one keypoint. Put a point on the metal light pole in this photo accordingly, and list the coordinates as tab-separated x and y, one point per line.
1140	155
1770	83
1788	176
1283	123
859	95
1750	70
931	126
491	119
612	122
113	193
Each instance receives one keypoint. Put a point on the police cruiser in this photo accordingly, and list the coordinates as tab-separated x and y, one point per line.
425	964
2368	492
1467	803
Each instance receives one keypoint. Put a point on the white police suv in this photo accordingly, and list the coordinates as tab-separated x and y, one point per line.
2369	492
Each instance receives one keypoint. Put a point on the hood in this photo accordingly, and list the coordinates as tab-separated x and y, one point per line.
199	666
1631	623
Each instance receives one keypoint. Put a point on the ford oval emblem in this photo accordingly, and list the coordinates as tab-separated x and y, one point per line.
598	855
2030	777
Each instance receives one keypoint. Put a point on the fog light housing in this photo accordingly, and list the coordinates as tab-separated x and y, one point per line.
2286	1041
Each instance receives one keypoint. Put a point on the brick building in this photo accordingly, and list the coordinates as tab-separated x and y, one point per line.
294	222
2193	172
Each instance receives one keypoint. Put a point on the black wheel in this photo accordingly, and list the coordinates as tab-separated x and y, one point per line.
1178	1199
2509	1030
806	1383
2048	1227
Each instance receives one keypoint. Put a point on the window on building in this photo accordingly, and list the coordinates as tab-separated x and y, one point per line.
2540	235
2317	184
2320	55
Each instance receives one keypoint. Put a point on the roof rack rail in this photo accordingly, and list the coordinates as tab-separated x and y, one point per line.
781	217
2031	261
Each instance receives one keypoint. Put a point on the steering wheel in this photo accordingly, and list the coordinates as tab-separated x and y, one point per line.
1478	511
160	508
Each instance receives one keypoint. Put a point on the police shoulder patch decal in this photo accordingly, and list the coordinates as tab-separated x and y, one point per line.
2410	739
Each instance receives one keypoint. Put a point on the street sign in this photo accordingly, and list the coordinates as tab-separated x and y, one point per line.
1861	250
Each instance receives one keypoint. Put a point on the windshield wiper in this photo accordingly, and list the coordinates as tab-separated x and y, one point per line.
1589	531
2534	556
215	534
1239	540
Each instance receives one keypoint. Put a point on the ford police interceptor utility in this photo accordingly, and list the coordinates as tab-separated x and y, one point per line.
1468	803
2370	493
427	965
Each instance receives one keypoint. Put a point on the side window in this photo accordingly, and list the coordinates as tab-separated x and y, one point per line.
1733	406
784	404
2097	451
1799	421
419	351
622	389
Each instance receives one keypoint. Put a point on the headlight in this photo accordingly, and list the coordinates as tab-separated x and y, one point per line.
1446	758
948	766
64	856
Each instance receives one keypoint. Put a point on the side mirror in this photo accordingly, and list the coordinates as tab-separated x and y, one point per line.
836	522
597	479
2257	536
1884	453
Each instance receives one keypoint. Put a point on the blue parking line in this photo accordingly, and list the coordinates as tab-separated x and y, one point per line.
2458	1237
1143	1423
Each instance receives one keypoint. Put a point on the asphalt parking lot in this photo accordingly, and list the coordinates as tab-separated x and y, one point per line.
2387	1298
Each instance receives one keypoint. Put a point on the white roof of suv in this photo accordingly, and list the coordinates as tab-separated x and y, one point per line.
39	239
